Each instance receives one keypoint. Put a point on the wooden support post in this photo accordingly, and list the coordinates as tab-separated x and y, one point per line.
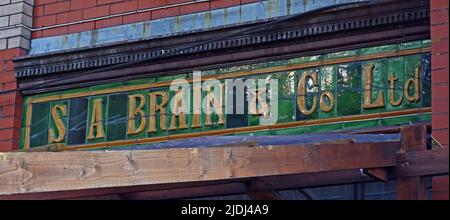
412	188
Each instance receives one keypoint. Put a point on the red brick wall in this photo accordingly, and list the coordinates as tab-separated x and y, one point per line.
52	12
10	103
440	92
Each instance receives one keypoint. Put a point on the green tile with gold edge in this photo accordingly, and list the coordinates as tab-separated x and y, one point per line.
411	63
40	119
104	109
379	83
361	124
138	117
396	68
401	120
324	128
349	91
22	137
64	119
214	117
379	49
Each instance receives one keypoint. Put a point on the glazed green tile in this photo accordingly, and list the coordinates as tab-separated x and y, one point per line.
399	120
254	133
361	124
172	77
426	80
311	92
410	45
411	63
24	112
425	117
269	64
396	67
77	126
341	54
349	82
64	119
426	43
104	116
22	137
379	83
379	49
40	119
289	131
286	110
139	82
328	80
246	67
303	60
286	84
323	128
106	86
116	123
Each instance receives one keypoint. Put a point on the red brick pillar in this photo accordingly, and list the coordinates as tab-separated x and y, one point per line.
11	102
440	92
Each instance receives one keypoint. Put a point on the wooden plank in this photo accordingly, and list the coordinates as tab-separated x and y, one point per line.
56	171
413	138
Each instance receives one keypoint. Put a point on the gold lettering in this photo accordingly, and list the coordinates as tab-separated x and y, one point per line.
392	100
212	101
301	100
161	108
263	106
416	82
96	121
59	124
197	107
133	111
178	111
368	80
323	104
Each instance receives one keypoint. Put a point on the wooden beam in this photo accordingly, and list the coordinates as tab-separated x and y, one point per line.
379	174
58	171
421	163
264	195
412	188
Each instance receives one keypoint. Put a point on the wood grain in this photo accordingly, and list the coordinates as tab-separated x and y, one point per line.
57	171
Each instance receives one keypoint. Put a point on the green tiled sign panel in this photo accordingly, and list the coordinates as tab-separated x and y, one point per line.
344	80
